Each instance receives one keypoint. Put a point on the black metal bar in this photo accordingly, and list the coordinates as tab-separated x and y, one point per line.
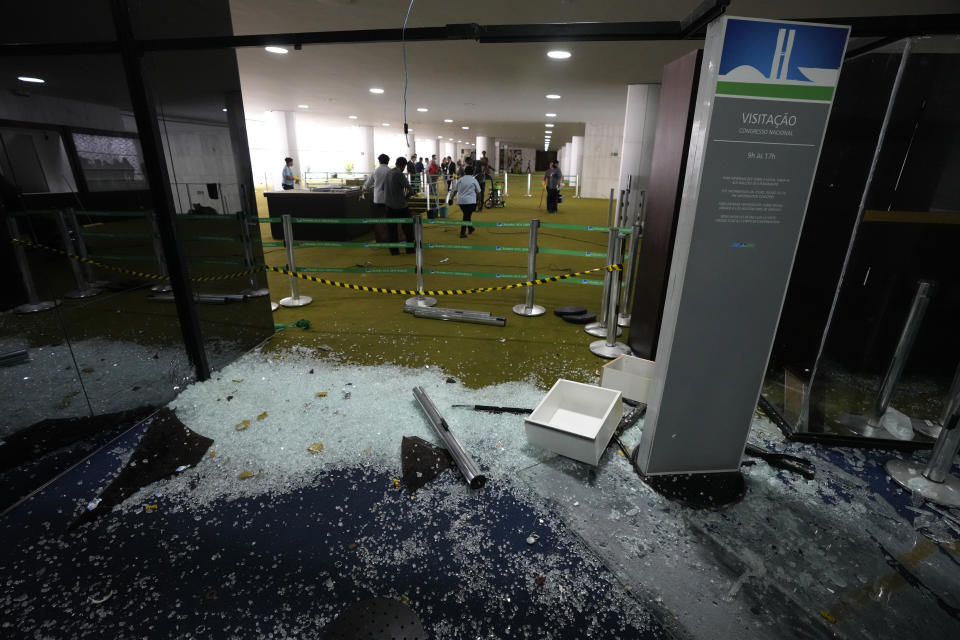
155	166
691	27
706	12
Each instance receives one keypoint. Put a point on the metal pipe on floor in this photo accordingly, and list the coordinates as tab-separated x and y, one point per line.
918	308
464	462
33	303
295	299
419	300
457	315
83	290
609	347
528	308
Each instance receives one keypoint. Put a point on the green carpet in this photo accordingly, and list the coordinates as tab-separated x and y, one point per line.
371	328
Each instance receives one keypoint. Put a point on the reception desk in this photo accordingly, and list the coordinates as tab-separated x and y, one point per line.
340	202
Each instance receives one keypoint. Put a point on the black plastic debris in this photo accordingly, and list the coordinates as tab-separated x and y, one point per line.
421	461
569	311
167	445
581	318
377	618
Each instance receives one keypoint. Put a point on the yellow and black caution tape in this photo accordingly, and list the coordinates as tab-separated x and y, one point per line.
131	272
443	292
325	281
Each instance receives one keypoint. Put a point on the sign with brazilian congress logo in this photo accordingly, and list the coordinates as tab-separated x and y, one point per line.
784	60
763	101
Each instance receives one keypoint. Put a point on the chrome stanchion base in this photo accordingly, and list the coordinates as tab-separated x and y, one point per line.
598	330
529	311
602	349
78	294
861	426
300	301
161	288
256	293
623	321
931	430
420	301
274	306
46	305
909	475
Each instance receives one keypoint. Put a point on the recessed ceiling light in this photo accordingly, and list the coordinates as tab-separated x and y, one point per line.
548	125
31	79
224	109
422	109
386	124
439	137
352	117
559	55
376	90
465	128
459	141
448	120
552	96
303	106
550	115
409	129
275	49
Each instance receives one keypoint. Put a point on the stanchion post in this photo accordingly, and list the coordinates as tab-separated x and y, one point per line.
609	347
623	320
33	303
528	195
163	287
528	308
295	299
576	194
246	239
83	290
506	183
598	329
81	245
419	300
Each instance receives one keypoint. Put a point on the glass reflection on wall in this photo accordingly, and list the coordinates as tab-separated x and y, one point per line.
874	359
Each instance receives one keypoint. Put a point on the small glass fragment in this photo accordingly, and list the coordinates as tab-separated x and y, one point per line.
346	395
245	474
316	447
532	538
242	426
181	468
213	453
93	504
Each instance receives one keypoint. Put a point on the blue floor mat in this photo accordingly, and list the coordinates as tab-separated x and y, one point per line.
287	565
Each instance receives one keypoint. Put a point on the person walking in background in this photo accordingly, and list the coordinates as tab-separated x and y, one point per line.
433	176
483	175
451	173
396	190
552	180
414	173
375	182
467	190
288	179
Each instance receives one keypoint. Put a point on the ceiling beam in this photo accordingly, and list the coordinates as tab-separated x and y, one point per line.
693	27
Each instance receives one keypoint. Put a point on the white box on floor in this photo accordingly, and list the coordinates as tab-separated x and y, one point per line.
575	420
629	375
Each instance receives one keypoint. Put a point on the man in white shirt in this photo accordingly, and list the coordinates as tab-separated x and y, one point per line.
374	182
467	189
288	176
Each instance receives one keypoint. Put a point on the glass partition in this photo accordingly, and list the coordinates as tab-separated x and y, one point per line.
871	359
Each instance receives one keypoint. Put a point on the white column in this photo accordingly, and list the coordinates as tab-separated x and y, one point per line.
367	161
293	151
484	144
639	130
576	156
567	166
494	154
449	149
427	147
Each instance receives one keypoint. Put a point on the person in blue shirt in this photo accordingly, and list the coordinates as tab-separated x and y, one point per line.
288	176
